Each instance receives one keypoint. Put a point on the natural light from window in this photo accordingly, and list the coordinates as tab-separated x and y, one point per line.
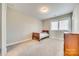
60	25
54	25
64	25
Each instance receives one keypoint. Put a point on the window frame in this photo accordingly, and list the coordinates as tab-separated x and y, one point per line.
69	23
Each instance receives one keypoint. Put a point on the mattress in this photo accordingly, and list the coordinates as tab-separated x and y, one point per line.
44	34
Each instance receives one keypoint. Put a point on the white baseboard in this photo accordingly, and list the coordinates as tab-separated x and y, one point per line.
17	42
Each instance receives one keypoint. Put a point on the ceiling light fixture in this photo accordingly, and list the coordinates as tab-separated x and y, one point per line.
44	9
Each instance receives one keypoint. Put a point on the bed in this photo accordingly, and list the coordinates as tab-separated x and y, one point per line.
39	36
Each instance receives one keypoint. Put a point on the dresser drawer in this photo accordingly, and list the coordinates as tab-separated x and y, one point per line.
71	44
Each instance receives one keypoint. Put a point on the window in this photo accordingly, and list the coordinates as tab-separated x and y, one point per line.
60	25
54	26
64	25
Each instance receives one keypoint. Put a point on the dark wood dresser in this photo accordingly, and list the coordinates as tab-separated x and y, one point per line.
71	44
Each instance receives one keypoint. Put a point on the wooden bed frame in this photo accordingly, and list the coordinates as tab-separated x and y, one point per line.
36	36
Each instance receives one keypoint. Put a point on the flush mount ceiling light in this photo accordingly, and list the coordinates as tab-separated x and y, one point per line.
44	9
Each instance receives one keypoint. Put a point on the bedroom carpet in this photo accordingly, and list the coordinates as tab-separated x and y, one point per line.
46	47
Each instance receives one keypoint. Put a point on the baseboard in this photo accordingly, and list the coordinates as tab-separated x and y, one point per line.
17	42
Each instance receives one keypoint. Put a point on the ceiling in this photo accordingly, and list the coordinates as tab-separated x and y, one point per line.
33	9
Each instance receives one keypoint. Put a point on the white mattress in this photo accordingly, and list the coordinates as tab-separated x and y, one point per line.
42	35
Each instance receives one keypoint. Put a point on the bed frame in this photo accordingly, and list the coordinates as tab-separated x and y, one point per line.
36	36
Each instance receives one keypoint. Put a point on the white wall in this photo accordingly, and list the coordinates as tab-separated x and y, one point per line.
20	26
46	24
75	19
0	24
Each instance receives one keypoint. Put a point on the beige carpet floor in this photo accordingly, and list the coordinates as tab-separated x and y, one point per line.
46	47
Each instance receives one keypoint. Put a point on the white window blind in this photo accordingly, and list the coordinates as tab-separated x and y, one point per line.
64	25
60	25
54	25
